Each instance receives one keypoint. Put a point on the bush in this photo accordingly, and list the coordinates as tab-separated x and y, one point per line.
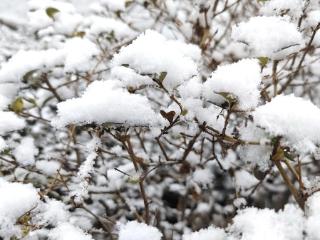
149	119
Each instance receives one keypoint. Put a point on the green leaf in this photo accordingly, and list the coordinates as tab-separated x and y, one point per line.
17	105
184	112
51	11
263	61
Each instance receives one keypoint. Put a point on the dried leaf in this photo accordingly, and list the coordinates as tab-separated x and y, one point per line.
168	115
162	76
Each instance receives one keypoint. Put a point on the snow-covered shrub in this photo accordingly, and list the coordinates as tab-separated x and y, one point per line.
159	119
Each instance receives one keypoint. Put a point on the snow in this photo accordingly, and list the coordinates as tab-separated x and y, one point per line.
206	234
244	180
313	217
25	152
202	176
265	224
53	212
66	231
313	18
241	79
239	202
130	78
293	118
76	59
152	53
48	167
119	29
114	5
138	231
255	155
10	122
109	60
16	199
3	144
116	179
69	55
293	8
25	61
65	21
4	102
272	37
104	102
191	89
13	11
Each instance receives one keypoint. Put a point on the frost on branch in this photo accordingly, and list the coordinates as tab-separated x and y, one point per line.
240	80
106	102
294	119
86	169
272	37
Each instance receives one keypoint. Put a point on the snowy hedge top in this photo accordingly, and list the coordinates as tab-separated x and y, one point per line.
272	37
106	102
295	119
241	80
151	53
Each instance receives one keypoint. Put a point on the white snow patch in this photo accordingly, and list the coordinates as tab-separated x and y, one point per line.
152	53
294	118
138	231
25	152
105	102
272	37
241	79
10	122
